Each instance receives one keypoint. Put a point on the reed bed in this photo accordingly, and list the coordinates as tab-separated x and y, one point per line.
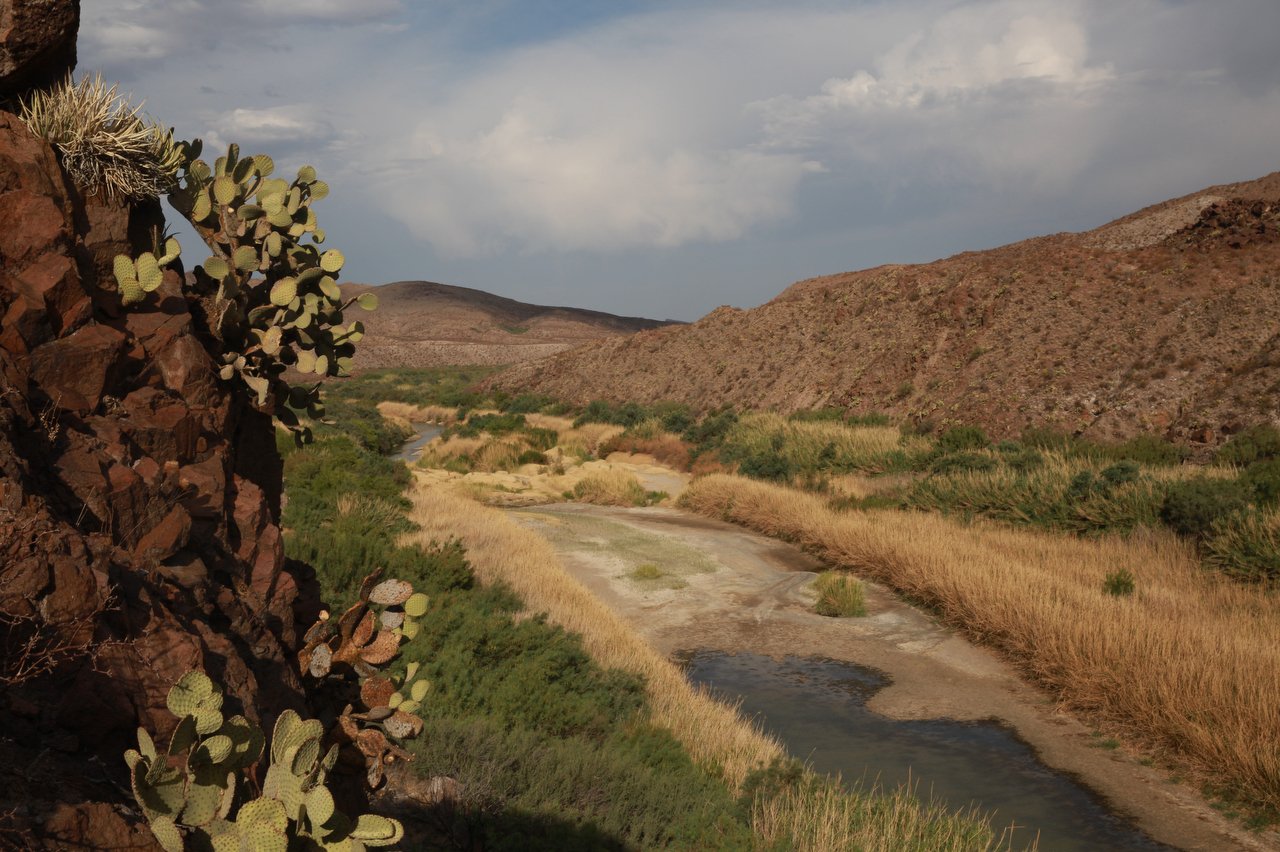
815	814
1189	664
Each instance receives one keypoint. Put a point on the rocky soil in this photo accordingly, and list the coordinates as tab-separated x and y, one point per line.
1165	321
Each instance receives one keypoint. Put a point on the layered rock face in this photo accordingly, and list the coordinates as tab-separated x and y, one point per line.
139	499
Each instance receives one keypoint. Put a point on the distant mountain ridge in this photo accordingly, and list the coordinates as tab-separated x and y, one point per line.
1164	321
424	324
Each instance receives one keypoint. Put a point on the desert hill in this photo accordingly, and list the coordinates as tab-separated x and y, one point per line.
424	324
1167	320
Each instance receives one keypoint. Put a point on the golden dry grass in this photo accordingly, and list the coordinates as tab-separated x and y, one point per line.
613	487
588	438
404	412
500	550
1189	664
806	444
817	814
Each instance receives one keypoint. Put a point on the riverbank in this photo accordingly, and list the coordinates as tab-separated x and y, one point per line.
755	599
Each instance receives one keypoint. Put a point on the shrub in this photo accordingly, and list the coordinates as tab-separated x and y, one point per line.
1257	443
531	457
1118	583
771	466
709	432
1246	546
647	571
1150	450
839	595
1191	507
526	403
1263	479
962	462
960	438
1044	438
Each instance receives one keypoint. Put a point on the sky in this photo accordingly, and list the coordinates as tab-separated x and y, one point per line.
661	158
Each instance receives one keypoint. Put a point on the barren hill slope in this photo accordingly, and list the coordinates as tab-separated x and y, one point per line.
1167	320
424	324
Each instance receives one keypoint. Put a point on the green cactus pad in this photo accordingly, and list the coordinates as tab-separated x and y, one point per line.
203	804
167	834
410	628
146	745
306	174
377	830
124	269
150	275
190	693
368	301
207	721
224	190
419	690
416	605
306	757
332	260
330	288
319	804
284	291
265	165
202	208
245	258
263	811
216	268
319	190
184	736
171	251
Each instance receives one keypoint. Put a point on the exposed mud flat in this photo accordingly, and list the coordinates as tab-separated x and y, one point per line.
685	582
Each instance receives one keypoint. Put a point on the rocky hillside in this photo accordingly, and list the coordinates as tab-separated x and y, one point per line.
1165	321
423	324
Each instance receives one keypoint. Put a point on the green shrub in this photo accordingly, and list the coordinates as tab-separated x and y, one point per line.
960	438
1118	583
1193	506
1263	478
1044	438
1257	443
494	424
540	438
962	462
526	403
1024	459
839	595
709	432
1246	546
1150	450
531	457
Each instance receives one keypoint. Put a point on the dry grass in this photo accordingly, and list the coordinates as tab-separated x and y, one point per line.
500	550
614	487
816	445
663	447
1189	664
106	144
589	438
438	453
818	815
406	413
559	425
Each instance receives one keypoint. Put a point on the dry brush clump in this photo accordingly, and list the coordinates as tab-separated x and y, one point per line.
104	143
613	487
1188	664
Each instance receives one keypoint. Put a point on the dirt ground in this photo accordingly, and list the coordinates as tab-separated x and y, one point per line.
686	583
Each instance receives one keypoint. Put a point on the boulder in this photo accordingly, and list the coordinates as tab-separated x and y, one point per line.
37	44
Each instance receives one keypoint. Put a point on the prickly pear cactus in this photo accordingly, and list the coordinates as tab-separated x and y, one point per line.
276	299
189	791
365	638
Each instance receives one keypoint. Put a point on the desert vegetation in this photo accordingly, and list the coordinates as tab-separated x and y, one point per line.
1180	660
616	750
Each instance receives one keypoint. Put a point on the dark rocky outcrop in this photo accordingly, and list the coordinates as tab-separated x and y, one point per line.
139	509
37	44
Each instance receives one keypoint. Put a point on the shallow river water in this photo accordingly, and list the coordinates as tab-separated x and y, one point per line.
817	708
426	432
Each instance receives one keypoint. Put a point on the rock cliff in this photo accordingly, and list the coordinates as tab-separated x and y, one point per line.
139	512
